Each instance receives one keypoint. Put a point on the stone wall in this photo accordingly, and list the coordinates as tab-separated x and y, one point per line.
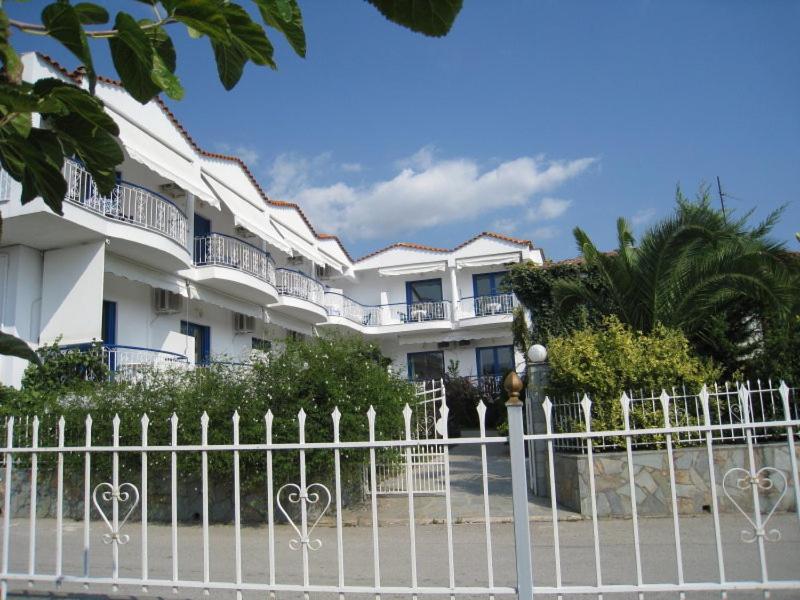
693	490
190	499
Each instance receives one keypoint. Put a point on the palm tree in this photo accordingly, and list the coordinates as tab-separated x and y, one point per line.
711	277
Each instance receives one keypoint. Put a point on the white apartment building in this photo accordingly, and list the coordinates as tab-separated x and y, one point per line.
189	261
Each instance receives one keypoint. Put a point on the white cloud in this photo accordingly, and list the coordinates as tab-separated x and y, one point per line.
249	155
509	226
352	167
547	209
643	216
545	233
427	192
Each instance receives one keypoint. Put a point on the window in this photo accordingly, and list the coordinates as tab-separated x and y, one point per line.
427	290
202	341
489	284
260	344
424	366
495	361
423	301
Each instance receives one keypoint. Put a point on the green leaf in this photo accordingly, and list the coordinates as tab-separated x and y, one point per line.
166	79
63	23
203	16
132	53
230	63
91	14
430	17
164	47
13	346
12	66
36	162
248	36
285	16
21	123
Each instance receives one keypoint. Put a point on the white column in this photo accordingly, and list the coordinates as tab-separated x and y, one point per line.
454	294
386	310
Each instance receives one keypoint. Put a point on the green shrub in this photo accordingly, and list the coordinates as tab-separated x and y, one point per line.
604	361
316	375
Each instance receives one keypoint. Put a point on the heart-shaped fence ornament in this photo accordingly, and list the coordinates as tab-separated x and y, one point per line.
763	482
126	493
309	498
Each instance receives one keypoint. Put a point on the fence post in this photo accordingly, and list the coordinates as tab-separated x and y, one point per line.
519	488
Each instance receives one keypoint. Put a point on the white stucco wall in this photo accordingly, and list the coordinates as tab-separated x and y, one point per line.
20	303
72	293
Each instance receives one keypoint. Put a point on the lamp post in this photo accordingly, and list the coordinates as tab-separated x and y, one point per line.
537	380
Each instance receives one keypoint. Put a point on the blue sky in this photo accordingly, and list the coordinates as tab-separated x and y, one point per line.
530	118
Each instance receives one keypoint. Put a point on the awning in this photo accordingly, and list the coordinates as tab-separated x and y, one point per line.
413	269
222	300
300	243
245	213
487	261
155	279
154	154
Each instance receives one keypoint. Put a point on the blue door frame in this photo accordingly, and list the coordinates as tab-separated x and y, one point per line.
201	333
494	282
497	371
108	331
202	228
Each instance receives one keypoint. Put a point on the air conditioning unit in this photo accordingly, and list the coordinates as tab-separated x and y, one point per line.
295	261
443	345
464	342
243	232
166	302
173	190
243	323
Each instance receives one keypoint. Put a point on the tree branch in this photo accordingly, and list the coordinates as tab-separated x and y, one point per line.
36	29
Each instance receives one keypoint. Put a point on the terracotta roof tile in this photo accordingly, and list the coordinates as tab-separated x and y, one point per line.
414	246
78	74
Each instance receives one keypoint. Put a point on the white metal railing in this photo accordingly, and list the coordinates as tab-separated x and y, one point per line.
339	305
127	203
138	463
223	250
5	186
685	409
486	306
299	285
130	362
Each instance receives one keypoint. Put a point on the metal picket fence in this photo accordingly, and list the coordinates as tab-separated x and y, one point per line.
108	549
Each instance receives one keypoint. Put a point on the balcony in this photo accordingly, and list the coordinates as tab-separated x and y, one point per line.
497	305
302	295
128	363
127	203
230	264
398	316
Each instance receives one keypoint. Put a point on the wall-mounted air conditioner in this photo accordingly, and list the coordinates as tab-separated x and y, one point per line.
443	345
173	190
243	323
243	232
295	261
166	302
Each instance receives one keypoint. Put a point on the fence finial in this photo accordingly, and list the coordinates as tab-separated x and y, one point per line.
513	385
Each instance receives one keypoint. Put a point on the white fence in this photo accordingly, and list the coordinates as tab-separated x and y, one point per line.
684	408
486	306
127	203
427	462
116	551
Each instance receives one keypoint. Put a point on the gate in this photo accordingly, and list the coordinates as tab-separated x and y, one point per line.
427	460
114	511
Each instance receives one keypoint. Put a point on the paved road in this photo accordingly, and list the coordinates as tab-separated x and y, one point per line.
470	568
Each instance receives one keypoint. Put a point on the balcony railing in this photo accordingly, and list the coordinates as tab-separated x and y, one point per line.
223	250
128	362
339	305
486	306
299	285
127	203
5	186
